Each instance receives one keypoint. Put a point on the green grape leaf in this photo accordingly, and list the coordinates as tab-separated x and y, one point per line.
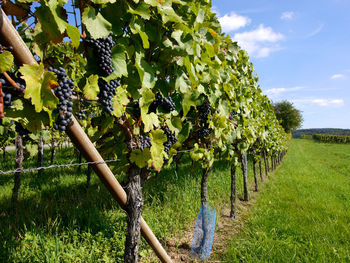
6	61
51	22
74	34
96	24
141	158
39	84
91	88
188	101
197	153
185	132
120	100
219	121
142	10
25	113
137	26
32	149
145	71
168	14
174	124
157	149
153	2
150	120
201	15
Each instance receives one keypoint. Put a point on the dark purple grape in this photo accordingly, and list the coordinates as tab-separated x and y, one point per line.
107	92
144	142
11	93
102	51
166	104
64	91
171	139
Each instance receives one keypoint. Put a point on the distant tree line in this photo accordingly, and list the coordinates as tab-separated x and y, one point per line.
289	117
330	131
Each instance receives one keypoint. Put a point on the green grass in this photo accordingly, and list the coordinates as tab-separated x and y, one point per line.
59	220
303	212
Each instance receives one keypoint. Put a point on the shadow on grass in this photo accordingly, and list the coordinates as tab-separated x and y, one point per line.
57	208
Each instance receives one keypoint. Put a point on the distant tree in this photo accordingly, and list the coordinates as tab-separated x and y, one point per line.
289	117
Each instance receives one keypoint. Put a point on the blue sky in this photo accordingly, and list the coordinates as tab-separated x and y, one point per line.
300	50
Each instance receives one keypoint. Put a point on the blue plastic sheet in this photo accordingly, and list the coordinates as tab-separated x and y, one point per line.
203	233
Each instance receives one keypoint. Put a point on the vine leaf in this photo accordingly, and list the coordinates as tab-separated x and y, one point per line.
6	61
120	100
168	14
24	113
149	120
157	149
96	24
91	88
142	10
145	71
137	26
74	34
51	24
140	158
38	86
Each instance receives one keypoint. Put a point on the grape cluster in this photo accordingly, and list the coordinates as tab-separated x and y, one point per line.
171	139
63	92
80	115
102	51
204	111
144	142
232	114
11	93
107	92
166	104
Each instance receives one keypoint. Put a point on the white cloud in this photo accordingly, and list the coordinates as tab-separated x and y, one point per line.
259	42
316	31
306	102
233	22
278	91
328	102
287	15
338	76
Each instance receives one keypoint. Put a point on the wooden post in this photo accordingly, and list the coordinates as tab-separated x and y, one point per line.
79	138
244	164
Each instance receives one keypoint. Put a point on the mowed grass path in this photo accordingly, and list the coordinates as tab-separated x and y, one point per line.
303	212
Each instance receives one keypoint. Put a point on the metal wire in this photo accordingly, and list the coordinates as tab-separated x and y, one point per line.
55	166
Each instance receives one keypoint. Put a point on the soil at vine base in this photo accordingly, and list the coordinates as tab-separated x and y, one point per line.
179	249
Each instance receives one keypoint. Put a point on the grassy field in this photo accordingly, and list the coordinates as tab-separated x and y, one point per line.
59	220
303	212
301	215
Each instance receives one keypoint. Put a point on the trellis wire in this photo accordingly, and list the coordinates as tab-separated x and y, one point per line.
68	165
55	166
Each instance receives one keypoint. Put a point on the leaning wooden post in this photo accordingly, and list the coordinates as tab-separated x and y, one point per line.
79	138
